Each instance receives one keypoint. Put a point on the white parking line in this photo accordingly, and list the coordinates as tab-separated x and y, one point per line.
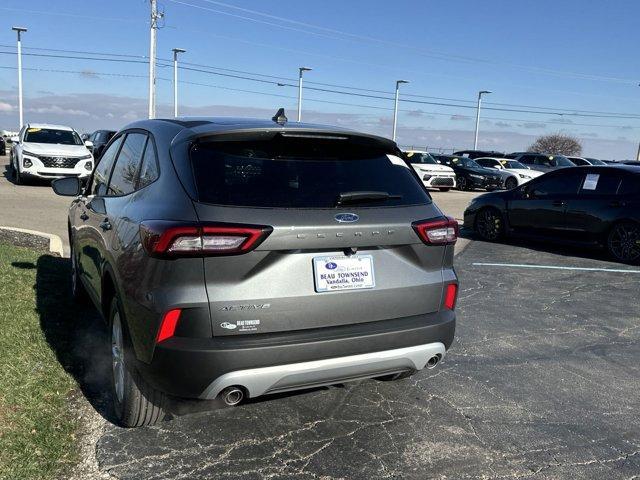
553	267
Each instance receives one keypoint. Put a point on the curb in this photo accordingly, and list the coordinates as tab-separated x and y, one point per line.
55	242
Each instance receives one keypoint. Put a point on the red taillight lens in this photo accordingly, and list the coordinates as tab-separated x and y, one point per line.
168	239
168	325
450	296
437	232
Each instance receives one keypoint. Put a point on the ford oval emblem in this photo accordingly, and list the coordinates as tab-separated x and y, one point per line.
346	218
331	265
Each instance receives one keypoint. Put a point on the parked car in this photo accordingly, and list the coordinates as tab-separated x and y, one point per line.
3	146
470	175
583	161
634	163
593	206
432	174
237	258
473	154
544	163
519	173
100	138
48	152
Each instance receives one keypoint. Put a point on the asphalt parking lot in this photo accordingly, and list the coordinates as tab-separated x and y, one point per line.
541	382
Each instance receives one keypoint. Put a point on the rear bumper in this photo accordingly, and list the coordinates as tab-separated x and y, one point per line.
200	368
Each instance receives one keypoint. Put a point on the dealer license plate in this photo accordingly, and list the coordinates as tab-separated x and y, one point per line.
343	273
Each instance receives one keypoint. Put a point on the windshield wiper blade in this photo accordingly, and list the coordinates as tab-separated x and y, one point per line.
363	196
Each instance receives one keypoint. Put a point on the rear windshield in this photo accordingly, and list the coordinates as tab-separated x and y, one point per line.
289	172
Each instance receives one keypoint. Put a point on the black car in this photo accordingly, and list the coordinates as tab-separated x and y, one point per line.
473	154
100	138
591	206
470	175
3	146
543	162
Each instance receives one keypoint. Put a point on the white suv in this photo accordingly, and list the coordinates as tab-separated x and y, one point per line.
48	152
432	174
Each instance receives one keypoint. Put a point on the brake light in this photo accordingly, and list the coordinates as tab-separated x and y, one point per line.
437	232
170	239
450	296
168	325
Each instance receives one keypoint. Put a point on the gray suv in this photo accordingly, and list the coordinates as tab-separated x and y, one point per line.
235	258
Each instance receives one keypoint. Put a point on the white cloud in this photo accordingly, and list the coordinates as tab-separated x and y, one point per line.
6	107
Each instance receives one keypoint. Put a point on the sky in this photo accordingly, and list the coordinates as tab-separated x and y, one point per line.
553	66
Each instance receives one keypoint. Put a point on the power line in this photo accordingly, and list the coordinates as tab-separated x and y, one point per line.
316	100
550	110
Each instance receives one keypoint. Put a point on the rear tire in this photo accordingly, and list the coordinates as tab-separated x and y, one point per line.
445	189
489	224
136	403
462	184
511	183
623	242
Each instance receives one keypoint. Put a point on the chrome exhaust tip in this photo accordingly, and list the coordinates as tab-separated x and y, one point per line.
232	396
433	361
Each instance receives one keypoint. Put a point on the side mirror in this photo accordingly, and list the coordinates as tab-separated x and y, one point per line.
67	187
88	144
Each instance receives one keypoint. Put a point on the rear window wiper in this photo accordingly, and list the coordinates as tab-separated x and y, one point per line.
364	196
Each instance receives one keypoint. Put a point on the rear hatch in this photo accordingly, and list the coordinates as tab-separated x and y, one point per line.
341	248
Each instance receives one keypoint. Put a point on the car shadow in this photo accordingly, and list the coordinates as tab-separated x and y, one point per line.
75	333
591	253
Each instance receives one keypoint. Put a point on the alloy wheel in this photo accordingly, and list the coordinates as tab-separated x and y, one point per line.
624	242
489	224
511	183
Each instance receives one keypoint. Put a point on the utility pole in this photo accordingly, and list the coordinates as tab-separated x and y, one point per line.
475	141
301	70
395	108
152	58
176	51
19	31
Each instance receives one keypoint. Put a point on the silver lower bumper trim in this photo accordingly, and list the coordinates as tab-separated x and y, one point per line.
295	376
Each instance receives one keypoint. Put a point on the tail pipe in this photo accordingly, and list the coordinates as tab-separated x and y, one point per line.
232	396
433	361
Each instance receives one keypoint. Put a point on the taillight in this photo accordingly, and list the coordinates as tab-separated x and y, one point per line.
168	325
437	232
171	239
450	296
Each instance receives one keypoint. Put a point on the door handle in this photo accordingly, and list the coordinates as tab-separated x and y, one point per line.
84	217
105	225
559	203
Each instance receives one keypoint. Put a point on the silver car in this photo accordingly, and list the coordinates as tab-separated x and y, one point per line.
235	258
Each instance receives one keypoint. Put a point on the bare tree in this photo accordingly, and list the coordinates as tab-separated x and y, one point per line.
557	144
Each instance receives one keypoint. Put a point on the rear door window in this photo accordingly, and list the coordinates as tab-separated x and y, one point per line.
295	172
125	173
595	184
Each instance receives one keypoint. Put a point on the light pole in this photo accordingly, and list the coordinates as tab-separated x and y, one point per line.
19	31
152	57
395	108
176	51
302	70
475	141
